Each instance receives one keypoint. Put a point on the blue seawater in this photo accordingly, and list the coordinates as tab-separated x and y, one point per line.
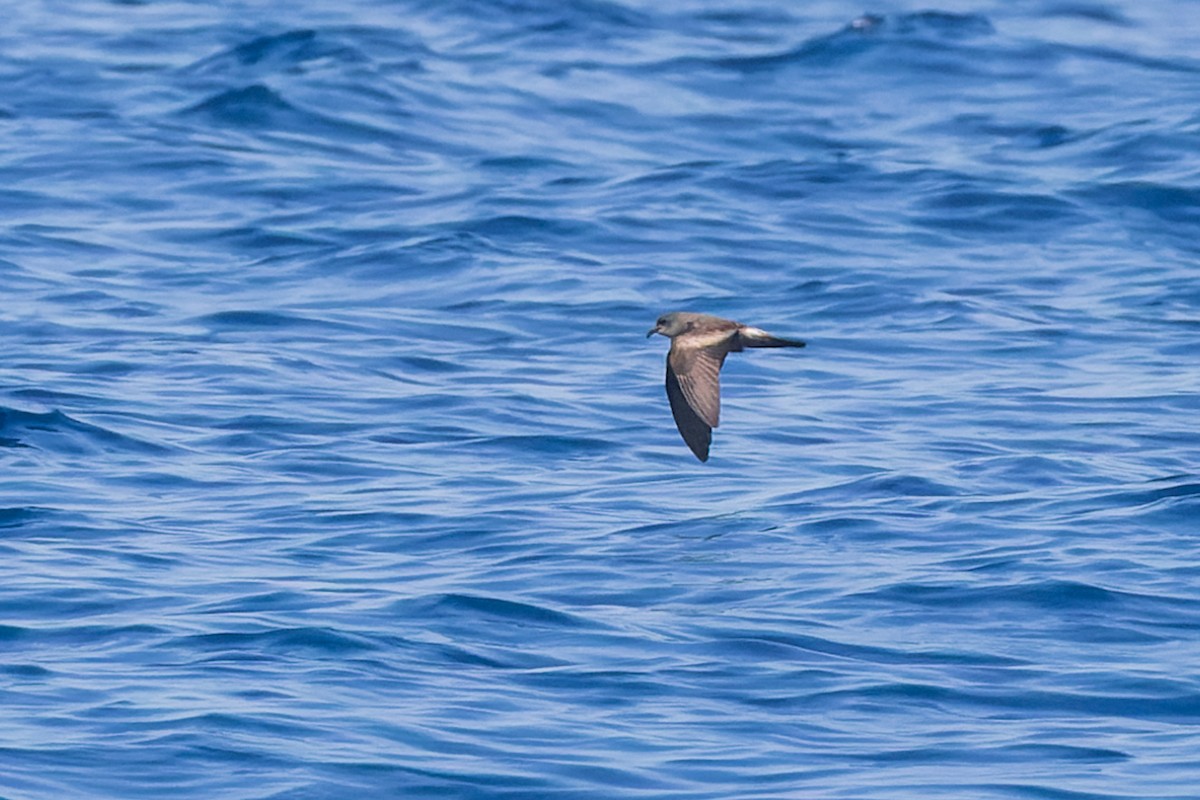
336	462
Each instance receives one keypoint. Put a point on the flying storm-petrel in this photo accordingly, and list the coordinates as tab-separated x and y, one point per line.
699	344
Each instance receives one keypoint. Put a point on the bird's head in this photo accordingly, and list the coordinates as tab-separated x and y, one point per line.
671	324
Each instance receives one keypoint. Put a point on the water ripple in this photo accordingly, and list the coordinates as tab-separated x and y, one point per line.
337	461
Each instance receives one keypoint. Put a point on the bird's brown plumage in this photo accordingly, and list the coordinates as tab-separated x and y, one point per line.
699	344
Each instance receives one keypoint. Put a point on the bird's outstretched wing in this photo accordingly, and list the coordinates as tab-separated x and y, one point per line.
698	370
694	389
699	344
695	431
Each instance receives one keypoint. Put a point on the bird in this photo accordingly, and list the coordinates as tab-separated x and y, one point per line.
699	344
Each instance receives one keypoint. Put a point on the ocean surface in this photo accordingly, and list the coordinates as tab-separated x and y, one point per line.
335	461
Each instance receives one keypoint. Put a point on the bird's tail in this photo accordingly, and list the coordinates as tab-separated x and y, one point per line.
756	337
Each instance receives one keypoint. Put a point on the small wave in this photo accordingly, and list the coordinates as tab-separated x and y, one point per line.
1177	498
242	320
577	21
1160	489
263	110
516	226
10	633
866	34
513	611
551	444
524	164
255	106
973	211
779	644
281	52
1054	597
429	364
1172	203
1007	754
903	486
280	641
19	516
54	431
